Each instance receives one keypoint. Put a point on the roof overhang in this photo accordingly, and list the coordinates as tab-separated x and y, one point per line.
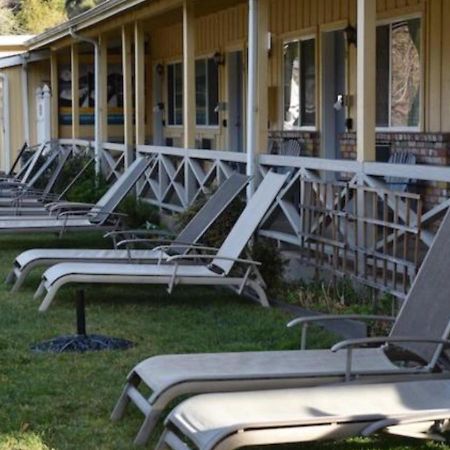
23	58
91	17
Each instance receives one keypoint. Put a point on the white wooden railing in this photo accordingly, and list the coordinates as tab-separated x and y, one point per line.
176	177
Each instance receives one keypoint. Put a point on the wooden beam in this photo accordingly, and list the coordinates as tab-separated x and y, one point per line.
75	73
365	68
127	95
139	92
189	74
103	42
55	95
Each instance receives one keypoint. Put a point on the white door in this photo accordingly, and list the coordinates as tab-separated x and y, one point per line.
333	92
235	69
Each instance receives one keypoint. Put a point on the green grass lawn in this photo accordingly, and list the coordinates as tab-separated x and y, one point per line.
63	401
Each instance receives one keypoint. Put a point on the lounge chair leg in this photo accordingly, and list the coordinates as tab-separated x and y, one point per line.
147	427
40	290
10	278
162	445
262	297
122	403
169	441
18	284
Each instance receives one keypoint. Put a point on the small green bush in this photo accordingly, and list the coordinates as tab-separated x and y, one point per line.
220	229
88	188
272	266
139	213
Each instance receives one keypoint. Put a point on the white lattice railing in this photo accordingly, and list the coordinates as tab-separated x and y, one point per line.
176	177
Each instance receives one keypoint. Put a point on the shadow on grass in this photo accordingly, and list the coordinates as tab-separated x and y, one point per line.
63	401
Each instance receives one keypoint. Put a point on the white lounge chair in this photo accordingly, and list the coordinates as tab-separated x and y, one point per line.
192	232
233	420
26	200
215	272
425	314
79	216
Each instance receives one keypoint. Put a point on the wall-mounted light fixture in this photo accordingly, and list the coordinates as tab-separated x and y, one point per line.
219	58
350	35
160	69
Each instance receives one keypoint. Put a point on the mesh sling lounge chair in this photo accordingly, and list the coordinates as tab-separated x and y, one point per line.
191	233
216	272
30	172
424	314
227	421
80	216
29	201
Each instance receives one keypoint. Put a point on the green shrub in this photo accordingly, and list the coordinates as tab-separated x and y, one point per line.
220	229
139	213
88	188
272	266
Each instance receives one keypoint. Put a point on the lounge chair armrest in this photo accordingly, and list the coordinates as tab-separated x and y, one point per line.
350	344
305	321
81	212
58	206
224	258
359	342
106	213
187	246
156	232
415	418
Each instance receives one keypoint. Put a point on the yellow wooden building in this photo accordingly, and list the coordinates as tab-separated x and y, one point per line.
175	73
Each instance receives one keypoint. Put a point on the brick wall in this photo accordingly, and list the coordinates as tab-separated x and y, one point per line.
309	140
429	148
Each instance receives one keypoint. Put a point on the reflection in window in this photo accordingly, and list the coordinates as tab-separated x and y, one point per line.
175	94
299	84
206	92
398	74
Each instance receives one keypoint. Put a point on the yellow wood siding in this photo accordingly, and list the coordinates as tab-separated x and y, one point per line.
16	113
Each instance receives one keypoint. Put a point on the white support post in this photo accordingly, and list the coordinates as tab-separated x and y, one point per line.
25	102
75	91
139	70
189	74
366	73
252	93
127	95
6	122
55	95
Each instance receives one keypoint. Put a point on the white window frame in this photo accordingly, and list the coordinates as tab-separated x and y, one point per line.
298	39
168	125
207	126
390	21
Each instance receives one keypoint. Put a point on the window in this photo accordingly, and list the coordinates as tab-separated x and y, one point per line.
299	84
206	92
398	74
175	94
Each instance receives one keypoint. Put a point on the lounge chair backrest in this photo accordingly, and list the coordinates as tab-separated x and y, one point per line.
34	159
63	155
249	220
119	190
210	211
18	158
426	310
39	173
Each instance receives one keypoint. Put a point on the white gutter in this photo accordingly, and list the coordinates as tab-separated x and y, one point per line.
252	86
25	103
6	123
98	137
